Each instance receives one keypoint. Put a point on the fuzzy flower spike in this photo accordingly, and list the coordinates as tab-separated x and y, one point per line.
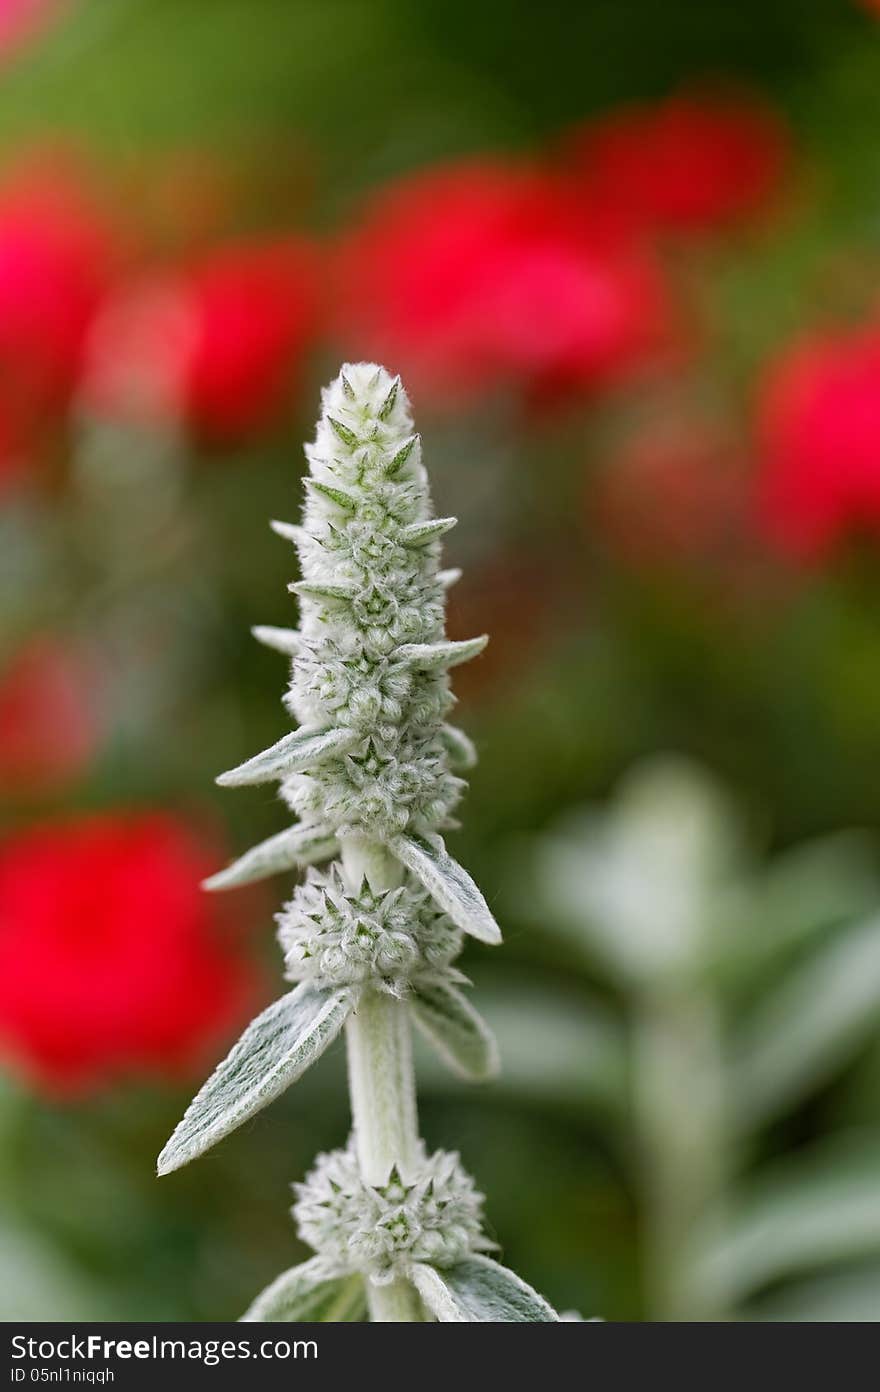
372	773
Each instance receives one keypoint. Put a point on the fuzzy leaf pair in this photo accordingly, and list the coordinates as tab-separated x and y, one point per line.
474	1291
281	1043
448	883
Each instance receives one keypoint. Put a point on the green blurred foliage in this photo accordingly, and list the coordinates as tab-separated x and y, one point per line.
598	665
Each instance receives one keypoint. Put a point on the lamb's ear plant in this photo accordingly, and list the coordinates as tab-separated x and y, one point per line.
372	773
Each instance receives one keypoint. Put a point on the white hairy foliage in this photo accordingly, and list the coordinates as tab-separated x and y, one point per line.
372	774
369	686
380	1232
390	937
477	1290
275	1049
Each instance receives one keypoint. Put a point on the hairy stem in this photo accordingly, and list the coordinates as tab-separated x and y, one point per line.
396	1303
381	1079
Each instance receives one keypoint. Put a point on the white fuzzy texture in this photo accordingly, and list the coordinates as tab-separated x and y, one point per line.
382	1231
371	772
373	759
329	933
372	606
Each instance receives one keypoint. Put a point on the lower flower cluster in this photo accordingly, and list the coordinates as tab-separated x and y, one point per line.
330	934
379	1233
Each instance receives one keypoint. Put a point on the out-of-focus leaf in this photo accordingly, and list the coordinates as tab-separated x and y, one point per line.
804	890
808	1026
635	886
38	1282
274	1050
812	1211
479	1291
306	1294
553	1048
847	1297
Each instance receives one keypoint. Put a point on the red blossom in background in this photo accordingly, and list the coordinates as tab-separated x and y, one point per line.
15	459
56	254
49	726
214	344
693	163
820	432
673	495
480	274
111	961
24	20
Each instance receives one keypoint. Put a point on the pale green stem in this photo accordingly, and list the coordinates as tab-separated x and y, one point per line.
381	1080
678	1101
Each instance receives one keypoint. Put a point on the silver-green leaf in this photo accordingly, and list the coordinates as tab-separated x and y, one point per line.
283	640
420	533
289	531
479	1291
341	497
294	752
450	577
306	1294
446	654
458	1033
460	748
290	849
809	1025
804	1214
448	883
275	1049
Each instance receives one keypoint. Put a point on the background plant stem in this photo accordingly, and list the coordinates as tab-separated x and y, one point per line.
677	1092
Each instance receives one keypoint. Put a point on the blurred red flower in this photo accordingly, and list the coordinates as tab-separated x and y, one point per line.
15	457
214	344
23	20
673	495
48	721
478	274
111	961
56	251
690	164
820	430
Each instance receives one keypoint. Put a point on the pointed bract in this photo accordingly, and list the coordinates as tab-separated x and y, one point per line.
339	496
300	750
347	436
283	640
388	404
460	748
324	590
420	533
401	457
429	656
289	531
